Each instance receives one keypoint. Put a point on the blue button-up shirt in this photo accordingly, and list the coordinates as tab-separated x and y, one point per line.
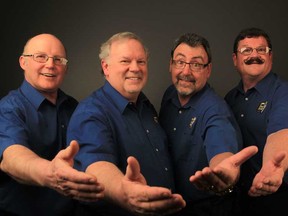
197	131
260	111
109	128
28	119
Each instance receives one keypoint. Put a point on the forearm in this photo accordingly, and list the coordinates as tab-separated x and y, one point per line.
110	176
276	142
24	165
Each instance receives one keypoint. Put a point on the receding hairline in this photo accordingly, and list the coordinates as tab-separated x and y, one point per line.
41	36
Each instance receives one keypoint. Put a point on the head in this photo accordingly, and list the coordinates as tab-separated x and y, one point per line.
252	54
124	61
44	63
190	64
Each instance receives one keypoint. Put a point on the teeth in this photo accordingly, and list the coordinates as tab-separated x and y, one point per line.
48	75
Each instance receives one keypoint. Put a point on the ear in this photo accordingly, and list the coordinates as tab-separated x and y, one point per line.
170	65
23	62
105	67
209	69
234	58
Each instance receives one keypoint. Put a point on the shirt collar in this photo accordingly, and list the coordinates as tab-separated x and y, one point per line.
118	99
35	97
261	86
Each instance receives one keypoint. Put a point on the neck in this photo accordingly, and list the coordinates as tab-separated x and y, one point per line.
51	96
183	99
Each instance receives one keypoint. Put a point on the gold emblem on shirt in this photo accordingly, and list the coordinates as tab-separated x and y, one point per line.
193	119
262	106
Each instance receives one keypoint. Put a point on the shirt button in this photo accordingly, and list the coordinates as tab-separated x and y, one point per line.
62	126
166	169
174	129
156	150
246	99
147	131
242	115
180	111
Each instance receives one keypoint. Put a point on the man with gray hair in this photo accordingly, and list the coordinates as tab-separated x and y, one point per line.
115	126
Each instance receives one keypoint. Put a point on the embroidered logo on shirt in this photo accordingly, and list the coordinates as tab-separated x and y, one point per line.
192	121
155	119
262	106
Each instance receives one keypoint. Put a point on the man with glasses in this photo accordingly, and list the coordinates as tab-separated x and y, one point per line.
36	176
260	105
202	132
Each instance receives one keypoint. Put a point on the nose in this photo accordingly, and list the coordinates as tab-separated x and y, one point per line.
186	69
134	66
50	61
254	53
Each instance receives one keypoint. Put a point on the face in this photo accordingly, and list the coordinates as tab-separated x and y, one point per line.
46	77
187	81
126	68
255	65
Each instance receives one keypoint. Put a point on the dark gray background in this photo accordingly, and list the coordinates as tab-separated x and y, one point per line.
84	25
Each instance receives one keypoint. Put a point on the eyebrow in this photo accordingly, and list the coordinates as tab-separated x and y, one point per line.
193	58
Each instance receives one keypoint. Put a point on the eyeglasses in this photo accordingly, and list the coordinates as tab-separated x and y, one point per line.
43	58
194	66
260	50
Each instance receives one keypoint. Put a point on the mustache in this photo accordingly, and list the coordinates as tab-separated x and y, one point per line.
254	60
185	78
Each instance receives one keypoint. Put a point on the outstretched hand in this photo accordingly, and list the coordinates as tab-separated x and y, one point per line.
225	174
146	200
269	178
70	182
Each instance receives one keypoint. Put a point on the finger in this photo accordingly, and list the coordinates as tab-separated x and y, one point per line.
68	174
133	169
239	158
162	206
84	196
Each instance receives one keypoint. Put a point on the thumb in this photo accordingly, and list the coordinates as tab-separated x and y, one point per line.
133	169
242	156
70	152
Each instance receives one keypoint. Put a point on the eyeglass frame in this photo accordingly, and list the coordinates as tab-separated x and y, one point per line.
267	50
63	60
174	61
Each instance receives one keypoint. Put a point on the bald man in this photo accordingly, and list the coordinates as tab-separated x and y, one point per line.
36	176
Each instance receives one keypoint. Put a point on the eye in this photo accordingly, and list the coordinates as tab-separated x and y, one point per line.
41	56
261	49
179	62
141	62
196	65
125	61
57	59
246	50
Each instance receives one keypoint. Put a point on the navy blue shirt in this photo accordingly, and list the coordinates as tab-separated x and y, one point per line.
28	119
260	111
109	128
197	131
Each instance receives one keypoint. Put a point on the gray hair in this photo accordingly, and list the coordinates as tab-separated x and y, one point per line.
105	47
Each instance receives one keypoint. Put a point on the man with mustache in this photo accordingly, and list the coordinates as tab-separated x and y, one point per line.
203	135
260	105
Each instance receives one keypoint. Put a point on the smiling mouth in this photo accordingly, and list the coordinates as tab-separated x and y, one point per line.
133	78
48	75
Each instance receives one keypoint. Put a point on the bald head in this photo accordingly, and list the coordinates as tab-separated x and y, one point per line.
46	42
